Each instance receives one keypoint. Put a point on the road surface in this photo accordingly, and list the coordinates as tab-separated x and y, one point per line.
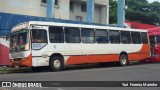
138	72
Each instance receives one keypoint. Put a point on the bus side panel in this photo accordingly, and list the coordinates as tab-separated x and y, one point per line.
92	59
138	56
144	53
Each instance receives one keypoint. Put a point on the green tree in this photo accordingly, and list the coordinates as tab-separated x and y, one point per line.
139	11
113	12
144	12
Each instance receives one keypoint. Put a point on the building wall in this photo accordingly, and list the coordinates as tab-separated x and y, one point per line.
62	11
101	14
24	7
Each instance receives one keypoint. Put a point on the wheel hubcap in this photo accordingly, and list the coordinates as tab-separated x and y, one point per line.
57	64
123	60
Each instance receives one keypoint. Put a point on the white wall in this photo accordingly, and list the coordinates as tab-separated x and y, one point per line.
34	8
24	7
101	14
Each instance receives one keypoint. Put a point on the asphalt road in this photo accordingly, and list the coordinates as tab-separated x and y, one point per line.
138	72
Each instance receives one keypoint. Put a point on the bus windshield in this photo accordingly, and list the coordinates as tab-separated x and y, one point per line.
152	40
19	40
158	39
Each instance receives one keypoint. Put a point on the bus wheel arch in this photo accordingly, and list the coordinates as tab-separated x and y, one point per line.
56	62
123	59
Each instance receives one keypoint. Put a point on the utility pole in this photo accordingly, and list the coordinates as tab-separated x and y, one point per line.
50	9
90	11
121	13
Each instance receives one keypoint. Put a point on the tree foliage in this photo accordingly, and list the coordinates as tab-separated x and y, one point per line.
139	11
113	11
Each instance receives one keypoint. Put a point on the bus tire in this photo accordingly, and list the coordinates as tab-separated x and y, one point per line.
56	64
123	60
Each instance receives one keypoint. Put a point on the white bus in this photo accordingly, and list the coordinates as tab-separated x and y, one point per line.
36	44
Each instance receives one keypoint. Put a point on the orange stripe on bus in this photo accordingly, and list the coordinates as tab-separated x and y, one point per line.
142	54
92	59
145	48
138	56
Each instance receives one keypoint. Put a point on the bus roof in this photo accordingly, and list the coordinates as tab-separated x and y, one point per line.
154	31
83	26
94	26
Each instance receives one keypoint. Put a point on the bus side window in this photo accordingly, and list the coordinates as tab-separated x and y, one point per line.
101	36
136	37
72	35
39	36
114	36
87	35
56	34
144	38
125	37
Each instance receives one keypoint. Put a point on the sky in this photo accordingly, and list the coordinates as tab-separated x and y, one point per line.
150	1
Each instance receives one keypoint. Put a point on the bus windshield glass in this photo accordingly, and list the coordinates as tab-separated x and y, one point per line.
19	40
152	40
158	39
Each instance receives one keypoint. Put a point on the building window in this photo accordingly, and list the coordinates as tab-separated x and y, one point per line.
114	36
101	36
136	37
125	37
71	6
83	7
72	35
56	2
87	35
56	34
44	3
79	18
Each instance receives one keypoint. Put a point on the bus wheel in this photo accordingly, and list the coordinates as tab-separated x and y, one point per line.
56	64
36	69
123	60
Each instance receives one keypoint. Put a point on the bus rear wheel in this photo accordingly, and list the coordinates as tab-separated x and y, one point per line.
56	64
123	60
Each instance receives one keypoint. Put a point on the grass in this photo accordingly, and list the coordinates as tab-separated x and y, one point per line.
5	70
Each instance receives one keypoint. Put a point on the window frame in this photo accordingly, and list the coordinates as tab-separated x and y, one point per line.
82	29
46	43
62	31
101	36
153	40
83	7
44	3
139	42
144	42
36	30
114	37
72	28
71	6
130	39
